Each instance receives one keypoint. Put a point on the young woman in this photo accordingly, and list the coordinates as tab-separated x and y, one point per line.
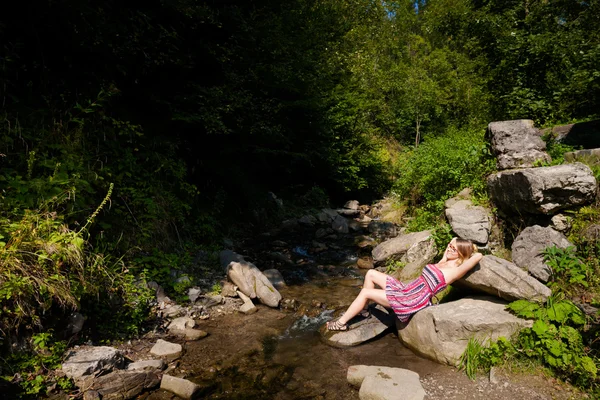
406	299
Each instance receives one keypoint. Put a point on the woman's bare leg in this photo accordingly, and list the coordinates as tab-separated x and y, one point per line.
376	295
374	277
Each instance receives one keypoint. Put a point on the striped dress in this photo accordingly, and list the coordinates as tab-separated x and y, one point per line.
407	299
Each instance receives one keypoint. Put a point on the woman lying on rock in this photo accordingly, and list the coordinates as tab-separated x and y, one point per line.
406	299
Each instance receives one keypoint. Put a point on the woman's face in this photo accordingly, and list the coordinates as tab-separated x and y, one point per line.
451	252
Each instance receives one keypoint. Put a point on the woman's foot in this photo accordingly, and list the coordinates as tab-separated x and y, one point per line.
336	326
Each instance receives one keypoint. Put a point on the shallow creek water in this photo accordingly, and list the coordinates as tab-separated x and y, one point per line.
275	354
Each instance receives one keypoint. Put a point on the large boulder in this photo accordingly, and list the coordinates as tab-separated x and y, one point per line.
398	245
383	383
469	221
543	190
415	250
504	279
90	362
528	249
253	283
442	332
517	144
124	385
360	329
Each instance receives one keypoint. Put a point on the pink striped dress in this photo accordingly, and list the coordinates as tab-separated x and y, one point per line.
407	299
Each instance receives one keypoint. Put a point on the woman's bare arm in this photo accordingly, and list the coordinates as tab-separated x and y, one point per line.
462	269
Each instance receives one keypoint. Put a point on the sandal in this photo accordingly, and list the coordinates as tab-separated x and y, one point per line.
336	326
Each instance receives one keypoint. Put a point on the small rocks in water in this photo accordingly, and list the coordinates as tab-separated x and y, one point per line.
147	365
181	387
365	263
193	294
290	304
165	349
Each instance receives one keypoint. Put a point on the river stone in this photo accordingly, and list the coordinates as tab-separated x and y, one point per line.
543	190
181	324
351	205
385	383
275	277
417	256
441	332
364	263
504	279
361	329
124	385
398	245
383	228
248	307
339	224
253	283
170	351
469	222
181	387
90	362
517	144
308	220
528	249
151	365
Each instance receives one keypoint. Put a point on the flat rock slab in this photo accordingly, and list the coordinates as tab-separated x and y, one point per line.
442	332
504	279
469	221
93	361
543	190
361	329
170	351
149	365
124	385
398	245
528	249
385	383
517	144
181	387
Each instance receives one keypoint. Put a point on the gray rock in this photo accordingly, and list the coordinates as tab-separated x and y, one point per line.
528	248
417	256
587	156
385	383
181	323
361	329
517	144
253	283
170	351
191	334
228	289
124	385
543	190
331	213
172	311
181	387
441	332
144	365
275	277
90	362
351	205
383	228
75	324
248	307
308	220
504	279
194	293
398	245
348	213
561	223
469	221
340	224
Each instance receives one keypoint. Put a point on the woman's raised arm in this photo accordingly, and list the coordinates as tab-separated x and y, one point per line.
462	269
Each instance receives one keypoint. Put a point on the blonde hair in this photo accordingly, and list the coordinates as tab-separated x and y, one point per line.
465	248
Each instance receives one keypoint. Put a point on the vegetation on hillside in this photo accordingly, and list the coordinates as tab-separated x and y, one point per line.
135	136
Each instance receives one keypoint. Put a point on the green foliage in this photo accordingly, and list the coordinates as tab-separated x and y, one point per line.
392	266
442	235
440	168
31	369
554	339
567	267
480	356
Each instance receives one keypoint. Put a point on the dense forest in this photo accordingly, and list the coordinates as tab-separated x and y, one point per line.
136	135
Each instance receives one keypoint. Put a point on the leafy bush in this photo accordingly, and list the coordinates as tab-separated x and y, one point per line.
441	167
479	356
566	267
